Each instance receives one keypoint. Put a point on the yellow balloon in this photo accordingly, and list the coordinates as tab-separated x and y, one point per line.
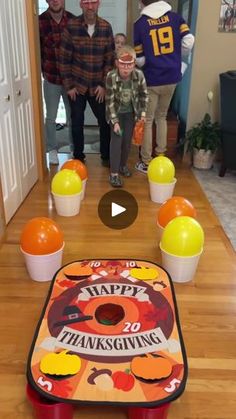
183	236
66	182
161	170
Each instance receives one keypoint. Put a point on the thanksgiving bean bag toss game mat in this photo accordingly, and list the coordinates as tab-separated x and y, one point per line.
109	333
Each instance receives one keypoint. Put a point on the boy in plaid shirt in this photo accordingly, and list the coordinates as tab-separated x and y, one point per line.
126	102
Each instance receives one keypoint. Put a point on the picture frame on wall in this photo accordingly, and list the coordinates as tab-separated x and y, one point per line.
227	19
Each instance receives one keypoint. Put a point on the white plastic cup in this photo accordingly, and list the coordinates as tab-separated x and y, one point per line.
42	268
67	205
180	268
84	182
160	192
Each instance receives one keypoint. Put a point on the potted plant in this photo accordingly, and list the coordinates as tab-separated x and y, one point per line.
203	140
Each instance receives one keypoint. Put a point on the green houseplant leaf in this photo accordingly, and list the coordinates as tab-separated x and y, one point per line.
204	136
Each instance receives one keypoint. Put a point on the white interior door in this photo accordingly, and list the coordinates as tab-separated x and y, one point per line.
21	84
115	12
9	163
18	165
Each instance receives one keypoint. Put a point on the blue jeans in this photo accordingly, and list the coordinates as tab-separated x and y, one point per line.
52	93
120	145
77	116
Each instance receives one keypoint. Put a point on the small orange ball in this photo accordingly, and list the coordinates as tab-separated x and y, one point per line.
77	166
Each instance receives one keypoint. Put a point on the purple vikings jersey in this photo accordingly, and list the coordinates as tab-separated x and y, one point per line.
159	40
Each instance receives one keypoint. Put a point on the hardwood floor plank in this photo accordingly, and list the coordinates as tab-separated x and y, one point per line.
207	305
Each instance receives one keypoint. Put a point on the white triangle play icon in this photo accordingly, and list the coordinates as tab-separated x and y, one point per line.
116	209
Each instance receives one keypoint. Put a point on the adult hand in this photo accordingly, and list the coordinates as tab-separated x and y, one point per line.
116	128
72	93
143	118
100	94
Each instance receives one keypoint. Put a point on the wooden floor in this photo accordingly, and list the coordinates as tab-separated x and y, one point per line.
207	307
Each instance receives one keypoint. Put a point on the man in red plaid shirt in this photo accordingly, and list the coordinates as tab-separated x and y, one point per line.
86	56
51	24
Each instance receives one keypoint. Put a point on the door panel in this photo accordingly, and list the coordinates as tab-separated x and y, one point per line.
9	168
21	85
11	187
18	166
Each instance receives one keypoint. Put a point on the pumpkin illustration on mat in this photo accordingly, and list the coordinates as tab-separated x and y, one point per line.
123	380
77	273
151	367
62	364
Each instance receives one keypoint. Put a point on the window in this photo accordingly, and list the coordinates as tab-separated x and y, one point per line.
42	6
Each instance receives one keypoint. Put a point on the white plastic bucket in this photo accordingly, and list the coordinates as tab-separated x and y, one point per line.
160	192
180	268
84	182
42	268
67	205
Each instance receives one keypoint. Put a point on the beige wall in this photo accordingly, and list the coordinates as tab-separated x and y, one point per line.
214	53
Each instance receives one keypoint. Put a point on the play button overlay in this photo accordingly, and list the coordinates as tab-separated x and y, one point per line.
118	209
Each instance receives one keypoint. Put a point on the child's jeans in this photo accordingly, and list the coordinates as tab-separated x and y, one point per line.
120	144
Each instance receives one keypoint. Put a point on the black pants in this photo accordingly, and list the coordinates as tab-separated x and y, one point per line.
77	120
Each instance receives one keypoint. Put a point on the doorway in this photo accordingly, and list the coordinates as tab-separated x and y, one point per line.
116	14
61	126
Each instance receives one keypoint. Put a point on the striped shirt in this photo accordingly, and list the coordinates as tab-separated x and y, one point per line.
85	60
50	39
159	40
139	95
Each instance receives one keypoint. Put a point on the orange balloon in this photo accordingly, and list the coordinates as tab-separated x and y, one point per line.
78	166
41	236
175	207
